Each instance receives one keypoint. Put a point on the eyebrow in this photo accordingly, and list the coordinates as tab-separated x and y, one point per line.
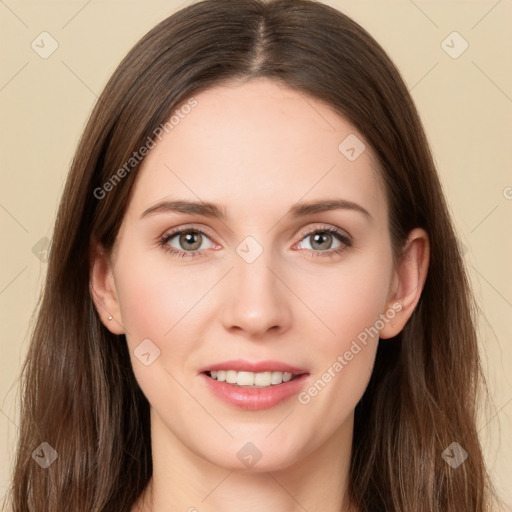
212	210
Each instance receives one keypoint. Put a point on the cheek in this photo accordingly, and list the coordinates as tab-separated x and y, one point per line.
154	294
158	297
350	301
157	302
348	298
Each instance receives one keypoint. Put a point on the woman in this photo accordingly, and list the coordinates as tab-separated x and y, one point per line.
192	351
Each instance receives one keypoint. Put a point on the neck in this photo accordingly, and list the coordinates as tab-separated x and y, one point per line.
185	481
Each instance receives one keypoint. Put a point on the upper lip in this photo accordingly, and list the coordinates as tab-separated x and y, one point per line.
241	365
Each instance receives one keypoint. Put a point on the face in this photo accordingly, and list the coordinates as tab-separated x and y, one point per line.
258	285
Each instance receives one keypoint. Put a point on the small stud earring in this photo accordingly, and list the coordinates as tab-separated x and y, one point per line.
110	317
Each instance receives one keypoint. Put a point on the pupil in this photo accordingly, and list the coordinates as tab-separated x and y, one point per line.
188	238
322	240
317	238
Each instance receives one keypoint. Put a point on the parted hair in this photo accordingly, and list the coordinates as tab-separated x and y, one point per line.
79	393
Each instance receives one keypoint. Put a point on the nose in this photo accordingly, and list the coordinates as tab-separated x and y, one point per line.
256	301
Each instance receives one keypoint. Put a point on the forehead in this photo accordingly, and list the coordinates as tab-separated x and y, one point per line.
258	145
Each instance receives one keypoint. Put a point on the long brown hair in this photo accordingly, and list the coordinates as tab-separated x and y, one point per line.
79	393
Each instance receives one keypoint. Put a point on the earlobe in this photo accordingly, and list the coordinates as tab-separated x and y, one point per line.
103	290
408	281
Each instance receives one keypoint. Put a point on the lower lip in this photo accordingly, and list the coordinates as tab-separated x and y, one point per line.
255	399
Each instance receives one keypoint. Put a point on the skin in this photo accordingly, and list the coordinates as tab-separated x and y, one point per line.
255	149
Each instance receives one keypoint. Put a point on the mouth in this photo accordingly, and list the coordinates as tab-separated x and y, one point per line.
251	379
254	386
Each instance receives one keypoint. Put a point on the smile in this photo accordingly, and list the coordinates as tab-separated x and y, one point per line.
251	379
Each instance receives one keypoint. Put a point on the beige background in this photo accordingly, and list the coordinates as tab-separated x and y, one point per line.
465	103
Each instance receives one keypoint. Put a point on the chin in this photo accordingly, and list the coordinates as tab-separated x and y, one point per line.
248	458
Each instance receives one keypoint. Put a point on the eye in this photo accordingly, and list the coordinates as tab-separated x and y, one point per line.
191	242
326	241
185	242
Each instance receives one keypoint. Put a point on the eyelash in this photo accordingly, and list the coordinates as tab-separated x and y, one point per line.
344	239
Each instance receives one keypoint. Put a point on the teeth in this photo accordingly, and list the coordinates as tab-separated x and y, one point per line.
231	376
263	379
245	378
250	379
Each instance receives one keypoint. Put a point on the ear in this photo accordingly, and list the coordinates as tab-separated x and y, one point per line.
407	283
103	289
